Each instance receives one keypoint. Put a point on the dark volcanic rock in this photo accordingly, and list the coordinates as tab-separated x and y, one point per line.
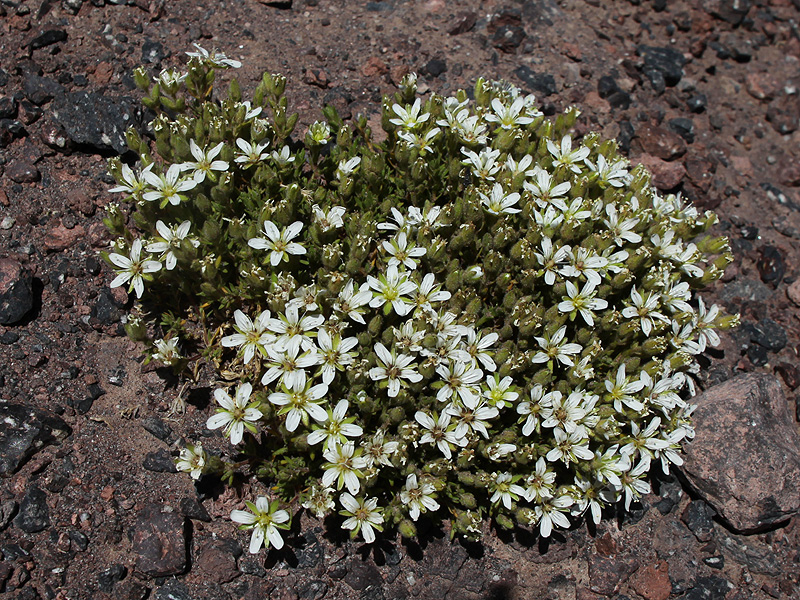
217	561
745	459
22	172
666	61
16	291
25	431
159	542
107	578
96	120
159	461
48	37
40	89
732	11
34	514
608	574
543	84
661	142
173	590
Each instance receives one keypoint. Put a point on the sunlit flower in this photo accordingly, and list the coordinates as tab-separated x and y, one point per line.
364	516
265	520
133	268
235	414
279	243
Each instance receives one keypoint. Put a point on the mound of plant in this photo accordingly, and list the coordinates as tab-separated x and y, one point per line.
472	316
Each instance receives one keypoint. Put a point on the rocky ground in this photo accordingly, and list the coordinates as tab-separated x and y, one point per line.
704	93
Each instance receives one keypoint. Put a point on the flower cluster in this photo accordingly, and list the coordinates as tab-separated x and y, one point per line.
480	317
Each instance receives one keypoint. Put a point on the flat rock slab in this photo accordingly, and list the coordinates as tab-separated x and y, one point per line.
159	542
745	459
25	430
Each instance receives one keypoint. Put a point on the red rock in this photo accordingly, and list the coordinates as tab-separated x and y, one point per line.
793	292
463	23
665	175
22	172
783	113
652	582
742	165
216	562
607	575
60	238
700	171
789	170
762	86
660	142
159	542
316	76
374	67
745	458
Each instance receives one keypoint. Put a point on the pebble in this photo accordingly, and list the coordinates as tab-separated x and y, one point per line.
607	575
159	542
793	292
771	265
783	113
652	582
159	429
7	223
697	517
667	62
40	90
34	515
660	142
47	38
683	127
21	171
25	431
61	238
664	175
159	461
216	561
16	292
732	11
542	84
745	459
108	578
173	590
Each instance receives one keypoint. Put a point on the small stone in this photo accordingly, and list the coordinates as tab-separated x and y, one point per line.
436	67
697	103
152	52
789	170
745	458
664	175
507	38
362	575
463	23
697	517
61	238
715	562
316	76
159	461
314	590
47	38
7	223
173	590
16	292
22	172
34	515
708	588
607	575
767	333
660	142
109	577
79	540
652	581
783	113
159	429
771	265
542	84
606	86
683	127
216	561
10	130
732	11
374	67
25	431
793	292
762	86
159	542
192	509
667	62
8	107
7	511
40	90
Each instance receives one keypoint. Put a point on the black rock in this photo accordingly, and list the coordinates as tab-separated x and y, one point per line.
106	579
683	127
22	171
732	11
9	337
39	89
152	52
159	461
362	575
10	129
657	81
606	86
749	232
311	554
46	38
160	430
29	113
16	292
34	515
697	103
667	61
708	588
97	121
173	590
314	590
508	37
158	541
767	333
3	78
771	265
436	67
543	84
79	540
7	511
25	431
192	509
8	107
697	517
715	562
104	309
625	136
620	100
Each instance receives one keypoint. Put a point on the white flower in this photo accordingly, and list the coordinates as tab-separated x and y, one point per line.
409	116
334	353
251	154
343	467
565	156
417	497
286	364
192	460
474	419
565	414
477	345
545	191
499	202
423	143
508	116
364	516
540	483
403	252
299	401
293	330
586	262
621	391
279	243
460	380
171	240
622	231
347	167
551	259
439	432
319	501
551	512
336	427
535	410
284	157
133	268
328	220
483	165
217	59
250	335
204	164
583	302
132	183
394	368
614	173
427	293
570	447
264	519
235	414
644	309
408	339
505	490
351	303
499	391
390	288
704	323
168	186
167	351
377	451
556	348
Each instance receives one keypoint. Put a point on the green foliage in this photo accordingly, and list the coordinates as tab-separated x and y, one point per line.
477	317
